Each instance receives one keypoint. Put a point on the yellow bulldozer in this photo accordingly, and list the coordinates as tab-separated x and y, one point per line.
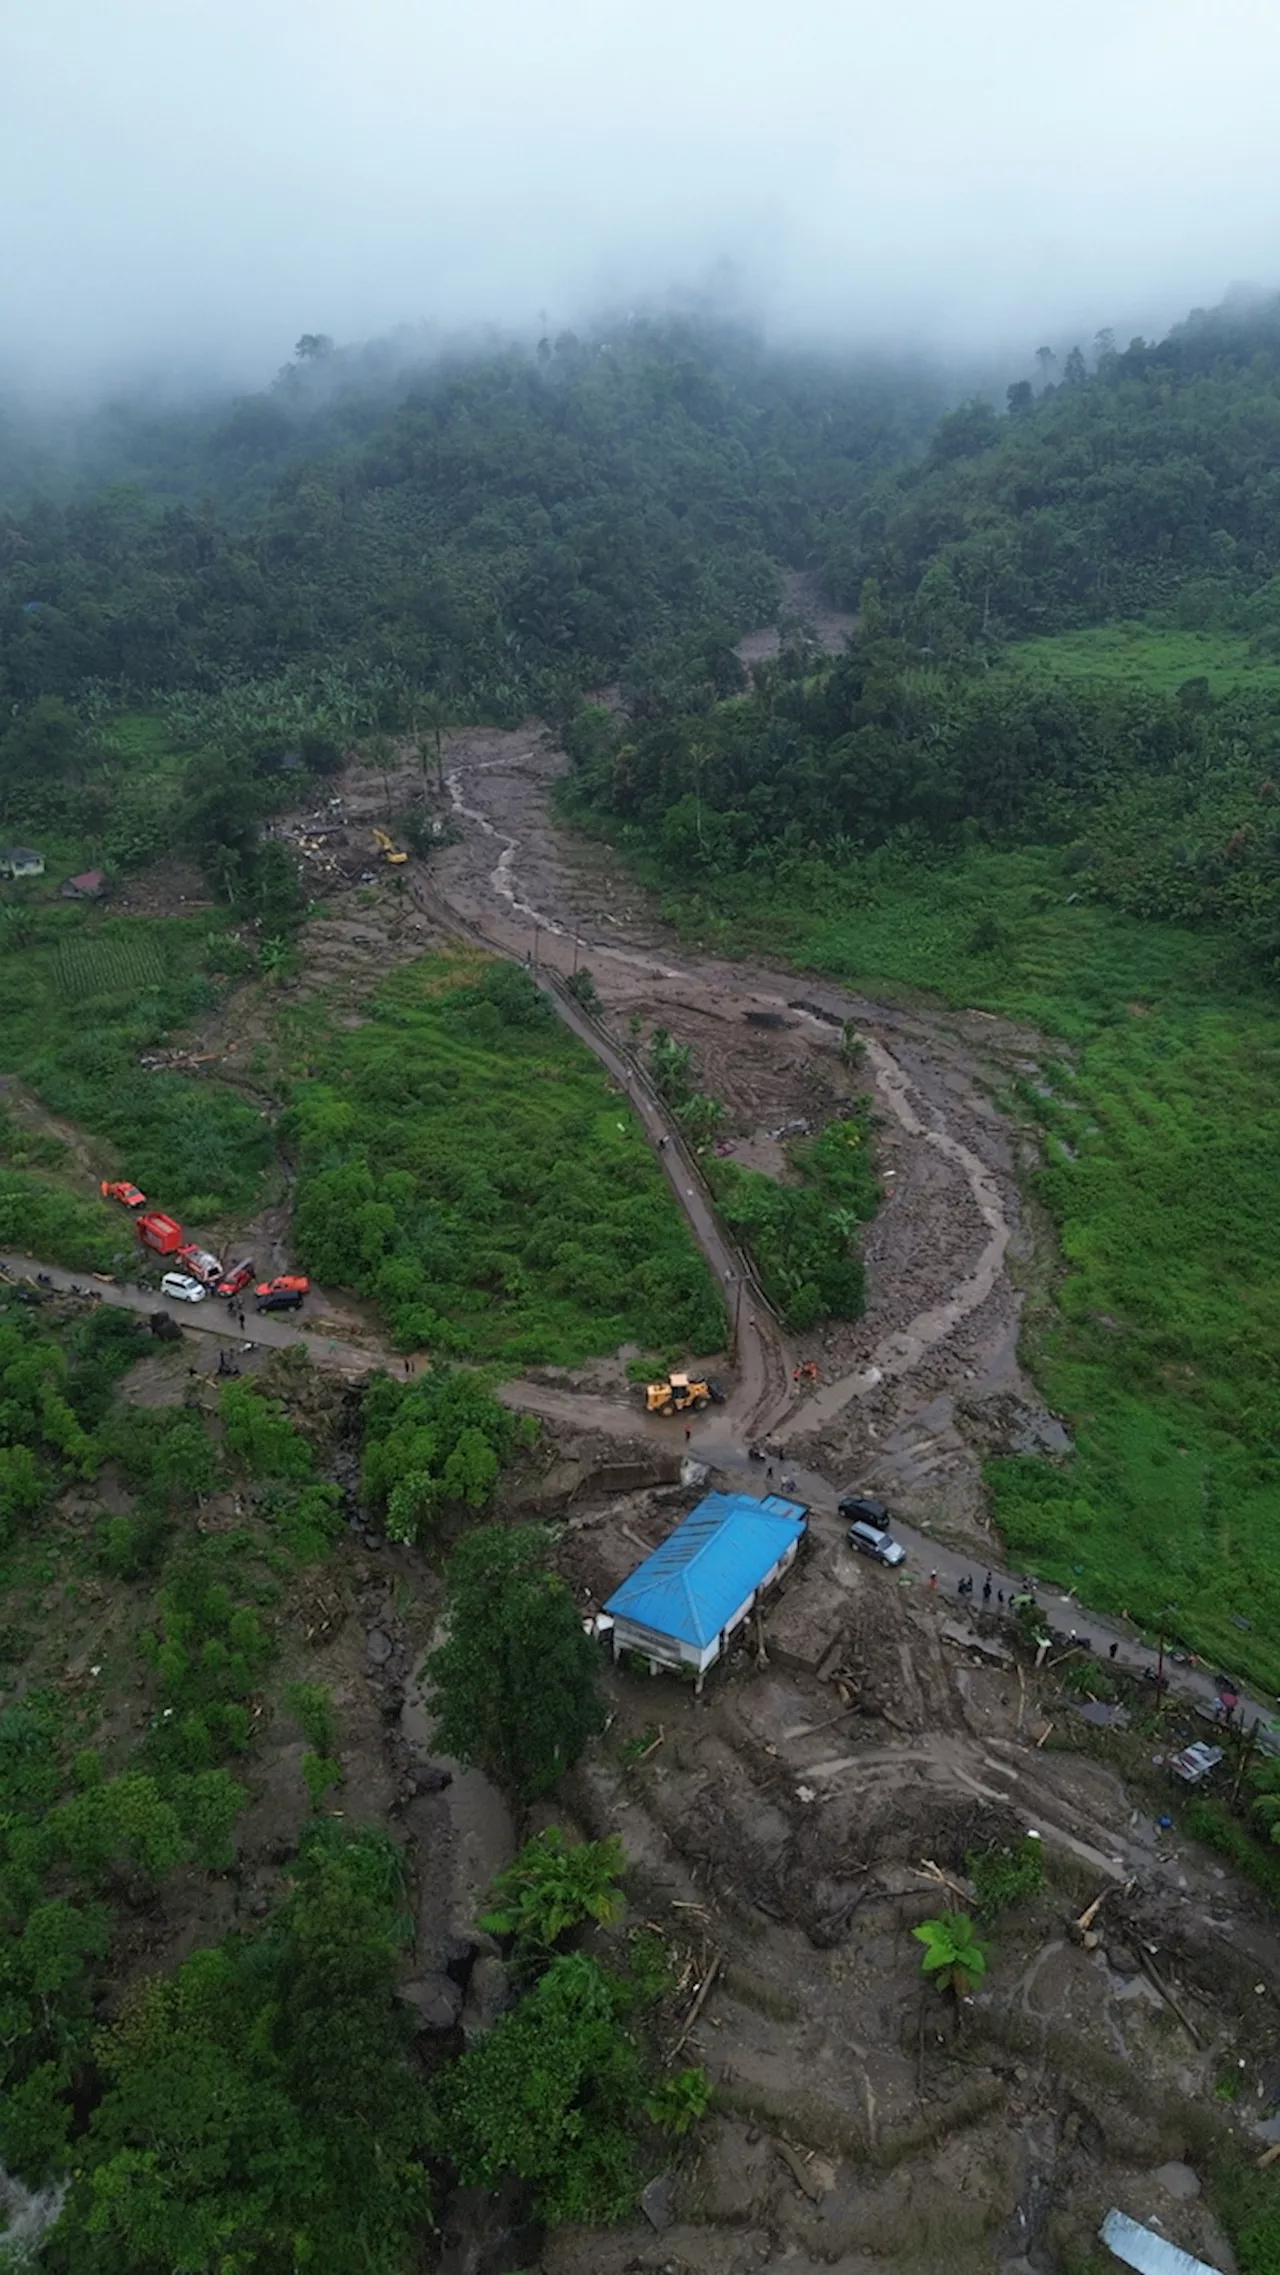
388	849
681	1394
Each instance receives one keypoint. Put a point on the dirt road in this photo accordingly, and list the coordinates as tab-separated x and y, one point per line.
272	1331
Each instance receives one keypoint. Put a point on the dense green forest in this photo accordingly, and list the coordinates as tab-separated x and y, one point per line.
497	529
1145	488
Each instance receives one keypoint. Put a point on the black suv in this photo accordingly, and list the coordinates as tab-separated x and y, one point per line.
284	1299
860	1508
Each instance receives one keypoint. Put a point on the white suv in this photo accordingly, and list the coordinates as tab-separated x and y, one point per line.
183	1290
871	1541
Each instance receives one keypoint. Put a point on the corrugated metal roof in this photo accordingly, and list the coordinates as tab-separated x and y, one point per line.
705	1572
1149	2253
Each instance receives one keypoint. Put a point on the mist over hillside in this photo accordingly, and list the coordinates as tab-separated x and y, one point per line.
192	197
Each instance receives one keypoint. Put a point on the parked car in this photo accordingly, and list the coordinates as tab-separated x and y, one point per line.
122	1190
182	1288
860	1508
871	1540
237	1278
278	1299
1195	1762
289	1283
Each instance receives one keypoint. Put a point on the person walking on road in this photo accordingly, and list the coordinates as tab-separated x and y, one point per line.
986	1589
688	1433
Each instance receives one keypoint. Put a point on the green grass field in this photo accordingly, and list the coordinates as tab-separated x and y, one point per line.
1148	657
462	1160
1161	1142
80	1004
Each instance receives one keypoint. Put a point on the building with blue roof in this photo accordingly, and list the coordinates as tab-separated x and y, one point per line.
682	1606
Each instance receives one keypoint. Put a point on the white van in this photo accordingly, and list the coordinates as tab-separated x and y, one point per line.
182	1289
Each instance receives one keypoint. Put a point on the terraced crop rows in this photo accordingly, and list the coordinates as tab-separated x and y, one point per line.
120	965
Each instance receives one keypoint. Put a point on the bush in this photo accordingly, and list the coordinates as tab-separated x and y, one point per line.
1009	1874
804	1237
680	2102
552	1887
434	1447
550	2094
261	1436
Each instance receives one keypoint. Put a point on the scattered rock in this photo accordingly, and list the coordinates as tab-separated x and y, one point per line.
1004	1423
378	1646
488	1996
436	2000
430	1778
1177	2180
655	2200
811	2174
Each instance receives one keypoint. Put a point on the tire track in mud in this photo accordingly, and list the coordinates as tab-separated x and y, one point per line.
898	1353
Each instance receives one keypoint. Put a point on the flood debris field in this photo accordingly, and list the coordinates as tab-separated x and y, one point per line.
825	1795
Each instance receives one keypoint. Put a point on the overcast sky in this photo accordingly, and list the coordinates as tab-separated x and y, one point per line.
200	181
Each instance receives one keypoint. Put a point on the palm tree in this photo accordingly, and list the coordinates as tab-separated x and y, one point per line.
953	1954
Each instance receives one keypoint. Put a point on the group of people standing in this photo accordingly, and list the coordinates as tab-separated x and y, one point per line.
965	1588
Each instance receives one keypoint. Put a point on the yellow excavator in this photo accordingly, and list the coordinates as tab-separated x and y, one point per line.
388	849
681	1394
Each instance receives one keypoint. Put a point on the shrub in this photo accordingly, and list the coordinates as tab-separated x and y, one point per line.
553	1886
550	2095
1010	1874
952	1952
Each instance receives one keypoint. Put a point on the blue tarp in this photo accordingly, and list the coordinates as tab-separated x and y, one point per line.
712	1564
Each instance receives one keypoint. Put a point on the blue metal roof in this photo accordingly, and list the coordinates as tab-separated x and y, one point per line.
708	1568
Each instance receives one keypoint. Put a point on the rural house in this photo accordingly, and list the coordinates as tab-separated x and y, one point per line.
20	861
683	1605
87	887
